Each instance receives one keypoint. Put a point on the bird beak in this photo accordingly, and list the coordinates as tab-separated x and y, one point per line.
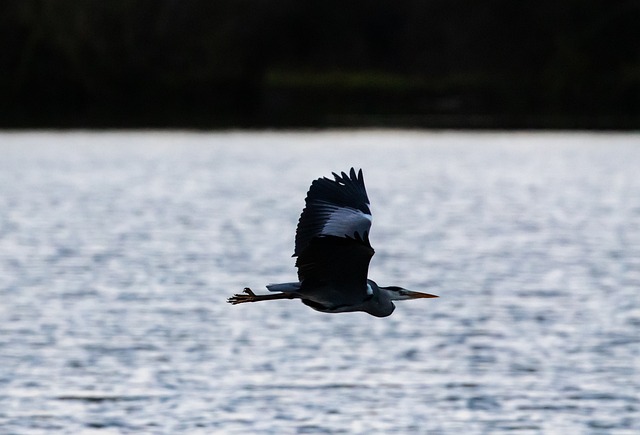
408	294
418	295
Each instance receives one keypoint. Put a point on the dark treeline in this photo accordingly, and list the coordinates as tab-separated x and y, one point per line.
253	63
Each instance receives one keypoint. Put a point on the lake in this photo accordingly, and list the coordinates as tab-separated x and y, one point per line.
118	251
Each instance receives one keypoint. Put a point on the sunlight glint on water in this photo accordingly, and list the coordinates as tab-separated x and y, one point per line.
118	250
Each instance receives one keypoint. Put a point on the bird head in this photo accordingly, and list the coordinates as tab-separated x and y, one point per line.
401	294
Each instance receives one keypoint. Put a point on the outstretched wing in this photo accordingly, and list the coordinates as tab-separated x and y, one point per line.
337	207
333	270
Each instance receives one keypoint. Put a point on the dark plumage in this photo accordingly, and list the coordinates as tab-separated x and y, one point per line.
327	196
333	250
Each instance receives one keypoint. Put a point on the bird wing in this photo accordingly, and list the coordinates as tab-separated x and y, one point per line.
333	270
338	207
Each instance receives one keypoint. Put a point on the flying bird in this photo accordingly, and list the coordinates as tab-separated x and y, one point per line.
333	250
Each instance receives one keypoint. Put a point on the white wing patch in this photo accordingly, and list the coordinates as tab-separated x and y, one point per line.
345	221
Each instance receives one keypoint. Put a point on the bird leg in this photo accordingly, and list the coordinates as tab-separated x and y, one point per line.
250	296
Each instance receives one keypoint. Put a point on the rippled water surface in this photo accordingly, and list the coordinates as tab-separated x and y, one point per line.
118	250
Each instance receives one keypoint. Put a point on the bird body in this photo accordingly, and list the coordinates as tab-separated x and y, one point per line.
333	250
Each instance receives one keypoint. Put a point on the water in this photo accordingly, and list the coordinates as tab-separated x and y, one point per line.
118	250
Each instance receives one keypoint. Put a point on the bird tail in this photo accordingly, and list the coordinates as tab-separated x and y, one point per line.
285	287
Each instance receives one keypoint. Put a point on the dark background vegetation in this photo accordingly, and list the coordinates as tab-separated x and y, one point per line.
292	63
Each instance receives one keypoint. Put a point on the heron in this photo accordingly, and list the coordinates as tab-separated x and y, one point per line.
333	254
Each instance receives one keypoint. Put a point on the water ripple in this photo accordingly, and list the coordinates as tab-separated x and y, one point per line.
117	251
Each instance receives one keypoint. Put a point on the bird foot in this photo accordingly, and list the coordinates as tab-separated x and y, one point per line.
239	298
